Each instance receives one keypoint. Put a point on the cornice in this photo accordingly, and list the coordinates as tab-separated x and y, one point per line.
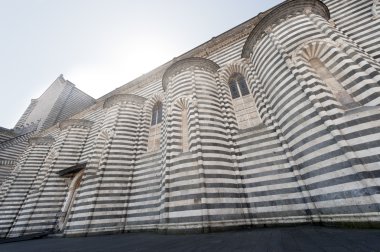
48	140
7	132
204	50
184	64
120	98
80	123
281	12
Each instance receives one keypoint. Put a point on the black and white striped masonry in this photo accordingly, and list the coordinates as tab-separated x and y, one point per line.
311	154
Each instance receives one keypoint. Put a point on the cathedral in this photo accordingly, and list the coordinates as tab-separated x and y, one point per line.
274	122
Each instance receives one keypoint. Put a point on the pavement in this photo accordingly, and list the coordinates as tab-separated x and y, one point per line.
289	239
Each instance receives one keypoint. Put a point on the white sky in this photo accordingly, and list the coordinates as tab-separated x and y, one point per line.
100	45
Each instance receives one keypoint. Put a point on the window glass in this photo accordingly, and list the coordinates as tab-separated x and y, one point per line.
238	86
243	103
243	86
154	115
159	112
234	89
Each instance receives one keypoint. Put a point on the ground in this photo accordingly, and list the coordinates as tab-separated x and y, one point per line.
293	239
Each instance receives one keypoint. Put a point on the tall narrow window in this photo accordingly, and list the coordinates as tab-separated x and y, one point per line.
185	131
242	101
336	88
234	90
243	86
157	114
155	128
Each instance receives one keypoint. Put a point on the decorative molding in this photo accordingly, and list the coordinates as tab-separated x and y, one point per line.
48	140
106	134
296	54
237	66
307	11
282	12
148	106
227	38
7	132
78	123
184	64
181	103
6	162
268	30
121	98
216	43
27	128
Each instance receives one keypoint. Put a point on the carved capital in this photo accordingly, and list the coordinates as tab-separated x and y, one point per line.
307	11
5	162
194	102
340	43
268	30
332	22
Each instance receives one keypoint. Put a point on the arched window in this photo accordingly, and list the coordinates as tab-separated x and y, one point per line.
184	131
341	95
238	86
157	114
243	103
155	128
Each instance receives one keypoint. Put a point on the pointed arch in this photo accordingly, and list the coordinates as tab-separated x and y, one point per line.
313	55
149	104
237	79
106	134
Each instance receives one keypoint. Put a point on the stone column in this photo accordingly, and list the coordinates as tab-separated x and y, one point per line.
351	156
267	32
195	183
52	189
18	189
363	64
112	165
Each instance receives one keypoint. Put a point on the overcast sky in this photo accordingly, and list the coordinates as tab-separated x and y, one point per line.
100	45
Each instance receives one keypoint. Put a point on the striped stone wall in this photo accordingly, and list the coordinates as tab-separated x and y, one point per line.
307	112
357	20
6	134
309	158
17	188
5	169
